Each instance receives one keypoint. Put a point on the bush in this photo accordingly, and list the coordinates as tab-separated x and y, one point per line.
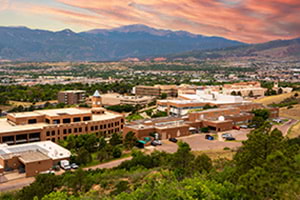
117	153
204	129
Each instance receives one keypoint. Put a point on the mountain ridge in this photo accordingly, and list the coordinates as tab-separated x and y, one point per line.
25	44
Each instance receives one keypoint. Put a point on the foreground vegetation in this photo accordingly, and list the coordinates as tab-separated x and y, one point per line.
267	166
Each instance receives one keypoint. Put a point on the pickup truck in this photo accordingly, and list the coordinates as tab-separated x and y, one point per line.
65	164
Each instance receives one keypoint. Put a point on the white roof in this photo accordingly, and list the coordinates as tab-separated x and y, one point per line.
48	148
96	94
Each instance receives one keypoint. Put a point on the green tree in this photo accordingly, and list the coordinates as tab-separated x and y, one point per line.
202	163
83	156
163	96
115	139
130	140
264	113
117	152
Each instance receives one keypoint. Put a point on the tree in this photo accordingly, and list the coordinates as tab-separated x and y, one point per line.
163	96
233	93
251	94
115	139
181	160
264	113
83	156
257	121
202	163
116	153
280	91
130	140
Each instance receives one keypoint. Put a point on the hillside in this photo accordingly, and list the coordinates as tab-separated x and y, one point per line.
24	44
269	50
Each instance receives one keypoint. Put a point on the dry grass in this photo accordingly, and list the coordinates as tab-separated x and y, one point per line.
292	113
19	103
216	154
294	131
274	99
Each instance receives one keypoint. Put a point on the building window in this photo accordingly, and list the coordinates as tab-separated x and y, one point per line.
92	128
65	131
53	133
86	118
96	127
86	129
53	139
48	133
76	119
70	130
75	130
101	126
66	120
58	132
104	125
32	121
47	121
80	129
56	121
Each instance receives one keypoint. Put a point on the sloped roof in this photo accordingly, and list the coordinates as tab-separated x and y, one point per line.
96	94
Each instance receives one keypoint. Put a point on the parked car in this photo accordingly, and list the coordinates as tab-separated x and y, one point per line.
74	166
173	140
252	126
65	164
229	138
277	120
226	135
209	137
243	126
156	142
236	127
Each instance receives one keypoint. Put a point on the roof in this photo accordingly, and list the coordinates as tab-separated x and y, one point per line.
47	148
96	94
63	111
34	156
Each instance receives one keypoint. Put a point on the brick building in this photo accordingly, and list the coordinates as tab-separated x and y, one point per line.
217	119
157	90
32	158
57	124
71	97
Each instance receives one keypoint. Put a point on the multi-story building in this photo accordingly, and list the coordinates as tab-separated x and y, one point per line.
135	100
217	119
32	158
157	90
245	89
71	97
57	124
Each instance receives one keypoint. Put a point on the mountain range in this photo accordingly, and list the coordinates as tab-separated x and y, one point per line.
24	44
277	49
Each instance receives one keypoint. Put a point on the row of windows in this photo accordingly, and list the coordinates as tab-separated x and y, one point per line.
79	130
68	120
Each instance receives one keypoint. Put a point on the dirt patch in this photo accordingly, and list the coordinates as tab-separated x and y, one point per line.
274	99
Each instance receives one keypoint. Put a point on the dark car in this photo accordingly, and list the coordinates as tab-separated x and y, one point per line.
229	138
173	140
209	137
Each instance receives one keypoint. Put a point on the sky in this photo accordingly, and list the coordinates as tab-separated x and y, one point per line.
250	21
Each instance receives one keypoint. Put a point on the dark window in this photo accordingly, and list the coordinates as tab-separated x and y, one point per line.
86	118
101	126
53	139
65	138
104	125
65	131
122	120
58	132
56	121
66	120
48	133
32	121
70	130
47	121
80	129
75	130
76	119
86	129
53	133
92	128
96	127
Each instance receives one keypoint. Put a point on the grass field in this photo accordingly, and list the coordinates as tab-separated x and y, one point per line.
216	154
294	131
292	113
274	99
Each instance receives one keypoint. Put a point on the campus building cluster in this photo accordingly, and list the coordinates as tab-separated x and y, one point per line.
57	124
223	118
70	97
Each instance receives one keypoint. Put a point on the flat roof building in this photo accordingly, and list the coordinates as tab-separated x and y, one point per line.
32	158
57	124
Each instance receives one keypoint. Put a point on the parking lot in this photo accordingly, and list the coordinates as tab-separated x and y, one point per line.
198	142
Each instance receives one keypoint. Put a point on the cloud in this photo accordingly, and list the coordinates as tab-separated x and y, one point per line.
245	20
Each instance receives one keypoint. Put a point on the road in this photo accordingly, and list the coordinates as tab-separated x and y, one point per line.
284	128
20	183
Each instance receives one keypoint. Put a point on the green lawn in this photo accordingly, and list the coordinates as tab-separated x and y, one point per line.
95	161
